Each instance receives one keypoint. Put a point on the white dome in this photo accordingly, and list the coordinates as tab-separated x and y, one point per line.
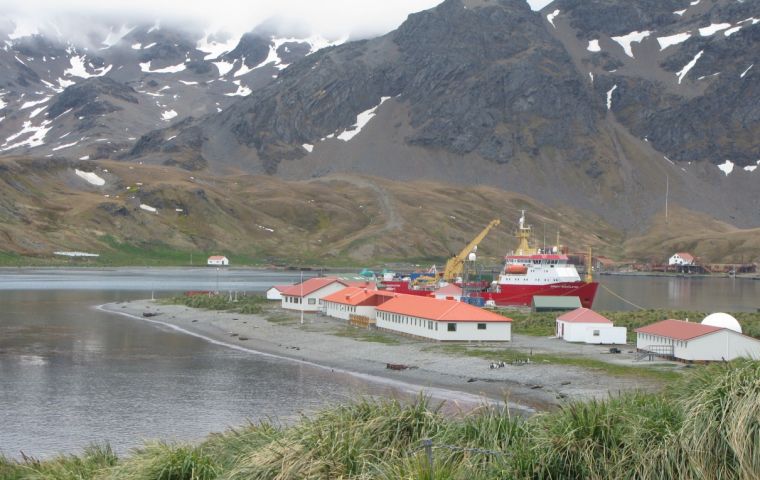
722	320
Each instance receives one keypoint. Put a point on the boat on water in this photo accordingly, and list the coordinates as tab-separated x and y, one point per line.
527	272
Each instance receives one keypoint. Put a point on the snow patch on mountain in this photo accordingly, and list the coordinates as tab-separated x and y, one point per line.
666	42
145	67
115	37
223	67
680	12
726	167
167	115
593	46
681	74
242	90
308	147
32	103
625	41
90	177
552	16
713	28
537	5
35	140
37	111
243	69
609	96
745	71
148	208
78	69
66	145
213	48
361	120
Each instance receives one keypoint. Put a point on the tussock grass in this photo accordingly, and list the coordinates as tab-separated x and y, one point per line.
706	426
249	304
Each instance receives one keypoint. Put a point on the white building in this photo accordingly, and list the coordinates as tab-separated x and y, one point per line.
585	325
307	296
354	301
681	258
442	320
275	292
689	341
218	260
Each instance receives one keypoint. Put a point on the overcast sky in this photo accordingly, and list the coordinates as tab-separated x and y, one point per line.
331	18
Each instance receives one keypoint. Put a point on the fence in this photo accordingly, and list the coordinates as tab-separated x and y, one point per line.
361	321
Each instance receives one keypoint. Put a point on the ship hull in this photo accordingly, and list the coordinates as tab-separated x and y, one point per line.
517	295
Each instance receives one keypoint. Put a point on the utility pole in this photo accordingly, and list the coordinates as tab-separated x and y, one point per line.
667	192
302	307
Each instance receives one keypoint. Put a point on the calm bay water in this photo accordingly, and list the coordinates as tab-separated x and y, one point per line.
71	375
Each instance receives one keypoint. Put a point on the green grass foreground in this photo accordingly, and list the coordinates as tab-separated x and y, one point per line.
706	426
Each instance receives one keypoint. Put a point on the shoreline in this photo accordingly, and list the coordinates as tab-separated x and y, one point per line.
527	388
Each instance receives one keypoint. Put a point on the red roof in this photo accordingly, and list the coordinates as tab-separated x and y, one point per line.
686	256
309	286
361	283
450	289
359	296
583	315
440	310
216	257
280	288
678	329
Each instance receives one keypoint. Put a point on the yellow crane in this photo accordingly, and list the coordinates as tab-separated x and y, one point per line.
455	264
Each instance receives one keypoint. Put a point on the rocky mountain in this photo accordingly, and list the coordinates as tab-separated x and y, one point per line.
594	103
92	99
612	108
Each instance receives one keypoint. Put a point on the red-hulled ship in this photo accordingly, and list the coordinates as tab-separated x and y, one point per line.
527	272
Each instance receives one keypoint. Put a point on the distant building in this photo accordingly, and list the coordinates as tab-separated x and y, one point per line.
307	296
450	291
442	320
690	341
218	260
275	292
355	301
681	258
585	325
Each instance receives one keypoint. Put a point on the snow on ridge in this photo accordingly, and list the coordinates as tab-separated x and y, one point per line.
593	46
32	103
745	71
694	2
732	30
61	147
680	12
90	177
243	68
242	91
361	121
145	67
750	168
37	111
78	69
223	67
537	5
35	140
665	42
148	208
168	115
726	167
308	147
625	41
715	27
681	74
552	16
609	96
214	49
185	82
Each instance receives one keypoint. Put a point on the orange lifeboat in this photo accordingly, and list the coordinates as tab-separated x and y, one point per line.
517	269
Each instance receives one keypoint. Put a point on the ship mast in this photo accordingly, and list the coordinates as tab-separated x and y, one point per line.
523	236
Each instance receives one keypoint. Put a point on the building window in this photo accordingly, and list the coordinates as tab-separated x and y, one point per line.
452	327
481	326
312	301
596	333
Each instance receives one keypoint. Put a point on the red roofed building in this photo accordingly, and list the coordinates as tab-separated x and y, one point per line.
218	260
691	341
275	292
585	325
681	258
442	320
307	296
355	301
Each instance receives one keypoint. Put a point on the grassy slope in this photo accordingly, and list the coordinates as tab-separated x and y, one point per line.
713	411
340	221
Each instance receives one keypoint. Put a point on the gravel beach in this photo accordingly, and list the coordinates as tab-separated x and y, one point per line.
329	343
